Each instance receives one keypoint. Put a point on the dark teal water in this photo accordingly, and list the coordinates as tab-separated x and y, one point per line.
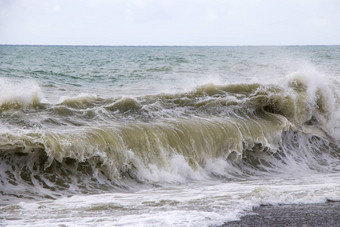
151	70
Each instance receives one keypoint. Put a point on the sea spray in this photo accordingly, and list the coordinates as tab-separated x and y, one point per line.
19	94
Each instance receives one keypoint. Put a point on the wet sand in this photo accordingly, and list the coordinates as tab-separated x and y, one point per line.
322	214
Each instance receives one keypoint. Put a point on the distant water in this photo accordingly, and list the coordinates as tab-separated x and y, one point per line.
165	136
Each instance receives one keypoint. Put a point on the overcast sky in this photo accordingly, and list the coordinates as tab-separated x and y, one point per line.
170	22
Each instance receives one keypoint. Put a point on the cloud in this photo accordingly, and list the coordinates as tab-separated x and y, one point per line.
56	8
170	22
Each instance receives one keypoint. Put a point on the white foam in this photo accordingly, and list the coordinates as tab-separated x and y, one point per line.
176	171
202	204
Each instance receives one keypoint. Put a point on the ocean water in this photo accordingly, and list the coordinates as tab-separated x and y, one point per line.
165	136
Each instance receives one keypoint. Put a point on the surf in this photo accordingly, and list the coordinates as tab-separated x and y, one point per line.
245	129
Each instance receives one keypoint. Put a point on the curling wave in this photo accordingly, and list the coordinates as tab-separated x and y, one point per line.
88	144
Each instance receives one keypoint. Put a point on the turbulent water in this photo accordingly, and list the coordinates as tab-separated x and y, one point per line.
171	136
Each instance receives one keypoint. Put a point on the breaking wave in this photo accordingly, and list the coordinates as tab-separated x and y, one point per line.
88	144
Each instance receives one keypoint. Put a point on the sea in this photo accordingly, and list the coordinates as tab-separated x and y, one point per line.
165	136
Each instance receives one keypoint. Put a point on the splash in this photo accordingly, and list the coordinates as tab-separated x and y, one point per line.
19	94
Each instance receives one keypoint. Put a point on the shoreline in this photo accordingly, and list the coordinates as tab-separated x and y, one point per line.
317	214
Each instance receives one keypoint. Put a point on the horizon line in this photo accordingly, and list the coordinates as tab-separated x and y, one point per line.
128	45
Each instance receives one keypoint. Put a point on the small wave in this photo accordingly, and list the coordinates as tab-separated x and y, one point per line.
159	69
80	101
124	105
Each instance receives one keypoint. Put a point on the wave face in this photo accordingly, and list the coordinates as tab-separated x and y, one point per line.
87	144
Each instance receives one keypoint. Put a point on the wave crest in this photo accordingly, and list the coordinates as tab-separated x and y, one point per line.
223	131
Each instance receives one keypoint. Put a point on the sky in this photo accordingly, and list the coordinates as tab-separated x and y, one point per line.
170	22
